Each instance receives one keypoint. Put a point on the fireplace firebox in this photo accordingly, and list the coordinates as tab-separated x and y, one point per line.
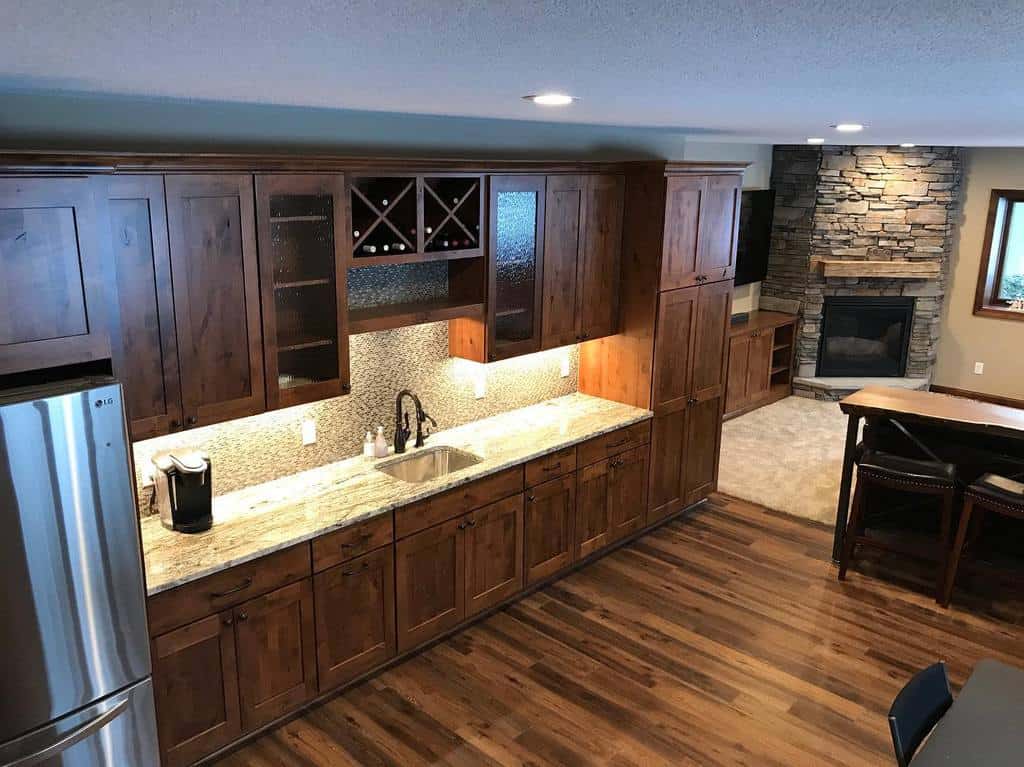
865	336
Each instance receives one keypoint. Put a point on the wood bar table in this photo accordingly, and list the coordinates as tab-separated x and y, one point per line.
983	725
957	414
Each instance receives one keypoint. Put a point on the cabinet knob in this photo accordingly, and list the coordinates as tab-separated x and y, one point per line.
175	424
228	620
243	617
346	388
531	498
192	420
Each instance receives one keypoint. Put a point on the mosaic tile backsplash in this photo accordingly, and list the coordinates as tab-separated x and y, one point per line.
261	448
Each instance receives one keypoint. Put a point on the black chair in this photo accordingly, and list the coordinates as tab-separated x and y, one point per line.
991	492
917	709
929	478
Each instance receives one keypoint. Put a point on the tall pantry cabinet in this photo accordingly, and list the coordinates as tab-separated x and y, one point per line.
678	264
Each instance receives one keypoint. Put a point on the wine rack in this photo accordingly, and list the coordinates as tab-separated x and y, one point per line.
406	219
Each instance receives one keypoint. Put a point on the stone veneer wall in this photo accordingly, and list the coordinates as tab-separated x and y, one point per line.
861	203
248	451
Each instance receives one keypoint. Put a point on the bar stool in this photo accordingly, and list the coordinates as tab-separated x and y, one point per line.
932	478
991	492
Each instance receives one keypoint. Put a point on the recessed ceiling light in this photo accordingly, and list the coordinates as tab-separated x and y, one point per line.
848	127
908	145
815	141
551	99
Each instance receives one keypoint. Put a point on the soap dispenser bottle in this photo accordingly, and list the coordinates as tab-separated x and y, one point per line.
380	445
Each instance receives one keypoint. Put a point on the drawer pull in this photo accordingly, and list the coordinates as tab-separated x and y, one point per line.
366	566
620	443
531	498
471	523
234	590
556	467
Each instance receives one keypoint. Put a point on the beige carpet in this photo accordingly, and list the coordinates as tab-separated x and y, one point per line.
787	456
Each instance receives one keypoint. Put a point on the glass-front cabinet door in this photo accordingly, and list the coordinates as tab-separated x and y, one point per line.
303	235
516	254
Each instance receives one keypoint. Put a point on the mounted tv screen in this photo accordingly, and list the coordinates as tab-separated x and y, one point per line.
755	235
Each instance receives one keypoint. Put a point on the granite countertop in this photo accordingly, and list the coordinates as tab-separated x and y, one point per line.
258	520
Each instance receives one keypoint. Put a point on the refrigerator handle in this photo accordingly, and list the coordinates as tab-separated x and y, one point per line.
117	707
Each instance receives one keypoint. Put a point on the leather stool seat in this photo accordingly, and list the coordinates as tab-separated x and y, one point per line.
897	467
993	487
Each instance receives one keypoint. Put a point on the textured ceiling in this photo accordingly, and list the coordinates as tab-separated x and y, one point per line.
940	72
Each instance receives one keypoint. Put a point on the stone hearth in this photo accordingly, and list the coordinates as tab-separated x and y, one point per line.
861	203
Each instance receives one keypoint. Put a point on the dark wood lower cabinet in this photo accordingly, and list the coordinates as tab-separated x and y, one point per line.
668	456
593	525
275	638
627	492
355	617
430	574
550	527
195	682
493	537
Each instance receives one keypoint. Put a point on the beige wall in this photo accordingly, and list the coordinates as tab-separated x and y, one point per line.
967	339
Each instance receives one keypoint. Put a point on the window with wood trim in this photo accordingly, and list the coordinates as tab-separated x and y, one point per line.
1001	281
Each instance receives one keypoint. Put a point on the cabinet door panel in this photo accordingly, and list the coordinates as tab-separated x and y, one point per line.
682	219
593	524
216	296
52	298
563	230
275	634
494	553
677	322
516	258
303	235
145	348
550	527
627	492
430	575
600	256
668	456
710	337
736	380
703	435
355	617
195	682
719	221
759	368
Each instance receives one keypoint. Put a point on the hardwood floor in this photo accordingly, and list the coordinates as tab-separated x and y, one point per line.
719	639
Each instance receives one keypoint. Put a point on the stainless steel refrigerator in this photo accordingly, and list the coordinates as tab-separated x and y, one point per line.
75	688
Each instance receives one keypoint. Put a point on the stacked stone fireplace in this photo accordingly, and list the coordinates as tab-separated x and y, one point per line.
864	204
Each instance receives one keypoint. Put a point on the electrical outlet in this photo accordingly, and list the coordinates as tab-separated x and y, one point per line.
566	366
309	432
979	368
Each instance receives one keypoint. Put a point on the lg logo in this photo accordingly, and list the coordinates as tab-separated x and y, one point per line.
106	401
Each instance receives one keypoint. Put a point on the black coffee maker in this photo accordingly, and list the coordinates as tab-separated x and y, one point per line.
184	490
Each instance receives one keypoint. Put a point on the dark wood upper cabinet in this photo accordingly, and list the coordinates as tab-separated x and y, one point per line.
550	527
430	583
355	616
303	237
564	233
216	296
719	224
701	222
53	275
676	324
516	257
195	686
597	291
144	344
276	653
683	196
494	553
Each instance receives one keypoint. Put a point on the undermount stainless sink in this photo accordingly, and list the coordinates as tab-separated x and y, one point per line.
431	463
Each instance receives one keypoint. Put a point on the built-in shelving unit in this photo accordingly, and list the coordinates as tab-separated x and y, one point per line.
782	359
391	316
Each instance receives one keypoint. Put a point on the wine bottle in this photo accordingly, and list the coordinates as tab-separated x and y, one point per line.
428	229
355	235
384	202
401	246
385	248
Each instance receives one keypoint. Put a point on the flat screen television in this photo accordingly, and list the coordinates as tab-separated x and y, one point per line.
755	235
